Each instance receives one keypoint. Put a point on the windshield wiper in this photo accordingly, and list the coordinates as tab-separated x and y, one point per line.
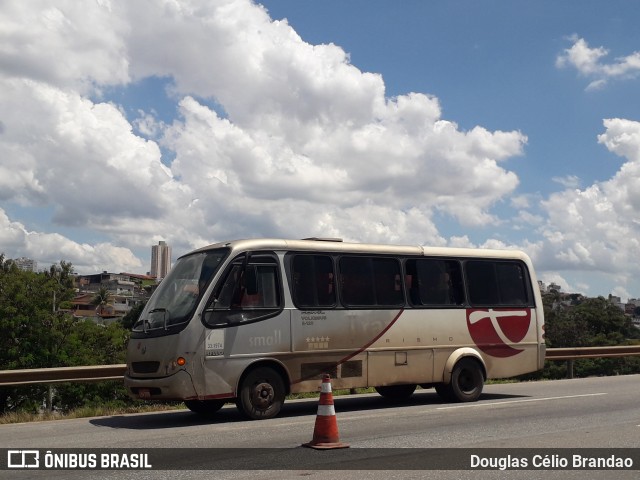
144	323
164	318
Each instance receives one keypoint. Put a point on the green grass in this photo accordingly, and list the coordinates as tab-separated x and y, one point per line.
85	412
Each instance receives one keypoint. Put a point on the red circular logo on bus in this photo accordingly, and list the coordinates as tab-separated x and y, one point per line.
494	330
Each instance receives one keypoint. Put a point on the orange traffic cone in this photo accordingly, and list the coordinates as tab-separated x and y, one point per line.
325	433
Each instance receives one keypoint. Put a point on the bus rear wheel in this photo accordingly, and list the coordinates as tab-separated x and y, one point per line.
396	393
261	394
204	407
467	381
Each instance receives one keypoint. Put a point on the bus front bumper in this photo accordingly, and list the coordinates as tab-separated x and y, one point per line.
174	387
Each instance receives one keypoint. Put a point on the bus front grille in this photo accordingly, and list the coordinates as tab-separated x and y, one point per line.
145	367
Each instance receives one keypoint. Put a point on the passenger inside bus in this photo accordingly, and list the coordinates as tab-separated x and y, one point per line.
442	291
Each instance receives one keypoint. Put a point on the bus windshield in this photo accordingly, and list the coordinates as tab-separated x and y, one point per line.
176	298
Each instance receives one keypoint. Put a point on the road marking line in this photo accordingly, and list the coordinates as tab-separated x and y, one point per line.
470	405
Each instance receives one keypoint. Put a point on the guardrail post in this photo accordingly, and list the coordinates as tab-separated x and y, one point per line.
50	398
570	368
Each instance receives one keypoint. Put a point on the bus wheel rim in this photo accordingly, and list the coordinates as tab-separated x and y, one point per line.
263	395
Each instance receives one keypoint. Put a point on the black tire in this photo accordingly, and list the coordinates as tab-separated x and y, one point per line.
261	394
204	407
396	393
444	391
467	381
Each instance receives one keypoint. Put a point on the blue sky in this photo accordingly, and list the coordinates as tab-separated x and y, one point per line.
508	124
491	63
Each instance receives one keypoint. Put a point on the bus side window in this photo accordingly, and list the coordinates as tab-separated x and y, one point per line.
411	282
512	284
248	293
267	286
313	281
456	284
482	282
370	281
496	283
437	282
225	297
387	282
356	281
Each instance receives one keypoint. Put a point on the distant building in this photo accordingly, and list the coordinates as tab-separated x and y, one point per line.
26	264
124	291
160	260
115	283
617	301
554	287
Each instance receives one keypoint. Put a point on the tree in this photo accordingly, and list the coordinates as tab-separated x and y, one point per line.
606	324
26	316
93	344
37	332
32	329
60	282
593	322
132	316
101	299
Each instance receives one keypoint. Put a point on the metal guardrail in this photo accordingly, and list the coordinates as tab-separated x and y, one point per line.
100	373
32	376
576	353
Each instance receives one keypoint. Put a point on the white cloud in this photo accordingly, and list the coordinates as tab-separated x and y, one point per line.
50	248
65	44
521	201
12	234
589	63
309	144
80	157
148	125
527	219
554	277
568	181
596	229
596	85
622	138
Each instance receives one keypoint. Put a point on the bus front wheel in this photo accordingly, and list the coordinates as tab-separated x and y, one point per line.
467	380
261	394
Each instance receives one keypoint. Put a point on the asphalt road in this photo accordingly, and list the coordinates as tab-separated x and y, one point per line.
386	440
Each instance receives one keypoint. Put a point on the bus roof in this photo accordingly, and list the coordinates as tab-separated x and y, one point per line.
338	246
